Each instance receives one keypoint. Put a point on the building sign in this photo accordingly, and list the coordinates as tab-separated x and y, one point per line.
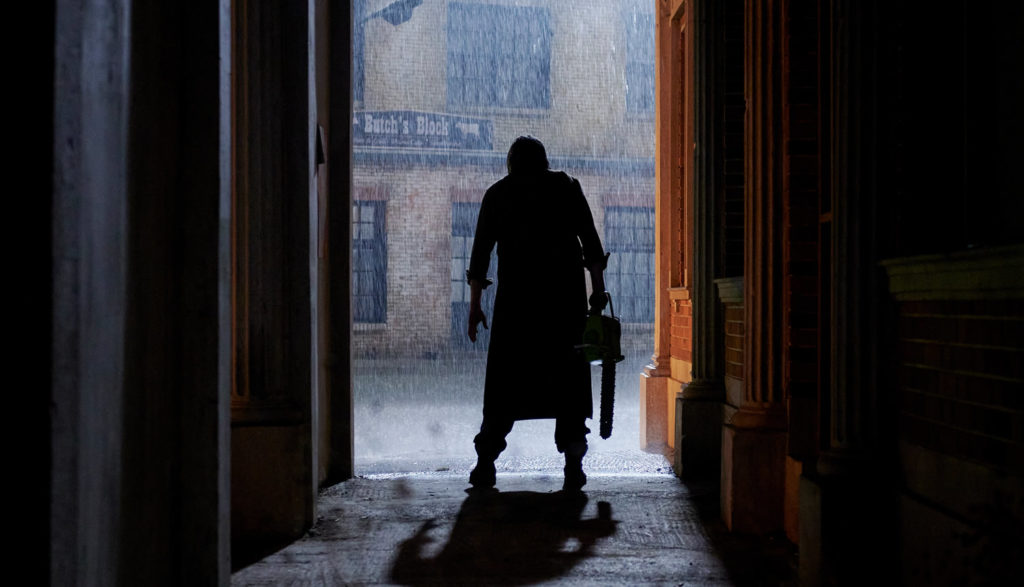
421	130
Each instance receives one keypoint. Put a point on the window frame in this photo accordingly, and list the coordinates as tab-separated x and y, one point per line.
639	54
377	246
490	40
626	303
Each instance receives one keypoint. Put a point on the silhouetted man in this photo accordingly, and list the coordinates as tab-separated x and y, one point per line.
545	235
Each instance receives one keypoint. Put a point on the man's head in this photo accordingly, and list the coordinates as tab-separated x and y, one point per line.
527	156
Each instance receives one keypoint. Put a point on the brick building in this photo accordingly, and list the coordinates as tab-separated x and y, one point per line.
439	97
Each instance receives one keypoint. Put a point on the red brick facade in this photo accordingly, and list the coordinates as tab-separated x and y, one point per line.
961	379
734	341
682	330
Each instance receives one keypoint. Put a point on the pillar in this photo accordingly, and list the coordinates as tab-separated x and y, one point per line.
661	378
842	505
698	407
338	312
273	447
754	437
141	324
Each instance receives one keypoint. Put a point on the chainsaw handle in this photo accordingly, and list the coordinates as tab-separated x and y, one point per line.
598	300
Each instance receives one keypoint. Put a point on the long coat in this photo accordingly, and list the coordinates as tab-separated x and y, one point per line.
545	234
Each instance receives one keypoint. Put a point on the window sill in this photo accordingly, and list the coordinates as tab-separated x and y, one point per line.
368	327
500	111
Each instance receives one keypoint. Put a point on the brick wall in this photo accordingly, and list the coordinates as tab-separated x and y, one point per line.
405	69
418	225
681	332
961	379
734	341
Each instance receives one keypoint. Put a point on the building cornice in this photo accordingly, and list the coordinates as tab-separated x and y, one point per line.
989	273
730	289
496	160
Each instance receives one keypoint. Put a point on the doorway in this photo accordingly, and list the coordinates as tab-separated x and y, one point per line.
430	130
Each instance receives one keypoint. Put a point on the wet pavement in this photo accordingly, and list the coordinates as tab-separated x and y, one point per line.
407	517
411	411
641	528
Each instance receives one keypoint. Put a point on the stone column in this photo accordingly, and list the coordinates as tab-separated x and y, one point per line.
86	403
841	504
854	258
140	463
699	403
273	477
654	381
754	437
339	255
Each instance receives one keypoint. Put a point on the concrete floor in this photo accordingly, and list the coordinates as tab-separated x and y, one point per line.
642	528
408	519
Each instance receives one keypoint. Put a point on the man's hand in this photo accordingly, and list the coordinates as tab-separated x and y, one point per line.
476	316
598	300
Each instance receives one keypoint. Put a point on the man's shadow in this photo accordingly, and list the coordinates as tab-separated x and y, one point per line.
506	538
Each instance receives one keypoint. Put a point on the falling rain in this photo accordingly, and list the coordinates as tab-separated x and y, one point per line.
440	91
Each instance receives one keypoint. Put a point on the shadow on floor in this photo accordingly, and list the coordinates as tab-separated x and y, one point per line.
506	538
247	552
749	560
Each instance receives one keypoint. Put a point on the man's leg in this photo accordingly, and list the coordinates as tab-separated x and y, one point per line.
489	444
571	440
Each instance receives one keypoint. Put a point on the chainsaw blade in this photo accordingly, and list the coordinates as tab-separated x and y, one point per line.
607	397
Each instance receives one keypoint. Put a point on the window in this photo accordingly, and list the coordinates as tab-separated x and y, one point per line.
463	224
629	237
498	56
464	215
639	62
369	262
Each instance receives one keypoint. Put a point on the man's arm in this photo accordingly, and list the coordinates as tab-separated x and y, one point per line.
593	253
480	258
476	313
598	297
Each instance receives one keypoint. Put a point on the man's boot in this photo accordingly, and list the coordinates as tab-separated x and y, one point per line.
483	476
575	479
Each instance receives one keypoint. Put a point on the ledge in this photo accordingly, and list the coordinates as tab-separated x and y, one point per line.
730	289
994	273
496	160
678	295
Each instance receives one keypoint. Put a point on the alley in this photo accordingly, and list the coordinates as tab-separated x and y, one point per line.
248	274
626	529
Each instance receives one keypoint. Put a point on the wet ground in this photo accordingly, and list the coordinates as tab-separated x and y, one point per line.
407	518
415	415
425	529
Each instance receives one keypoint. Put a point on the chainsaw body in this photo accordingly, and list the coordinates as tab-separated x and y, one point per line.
602	345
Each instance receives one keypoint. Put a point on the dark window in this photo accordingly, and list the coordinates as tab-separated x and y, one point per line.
464	215
639	62
498	56
369	262
629	237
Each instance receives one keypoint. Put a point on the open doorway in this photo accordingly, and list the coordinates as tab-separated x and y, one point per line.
440	90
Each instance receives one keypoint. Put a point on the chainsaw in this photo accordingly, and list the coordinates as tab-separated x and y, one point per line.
602	345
